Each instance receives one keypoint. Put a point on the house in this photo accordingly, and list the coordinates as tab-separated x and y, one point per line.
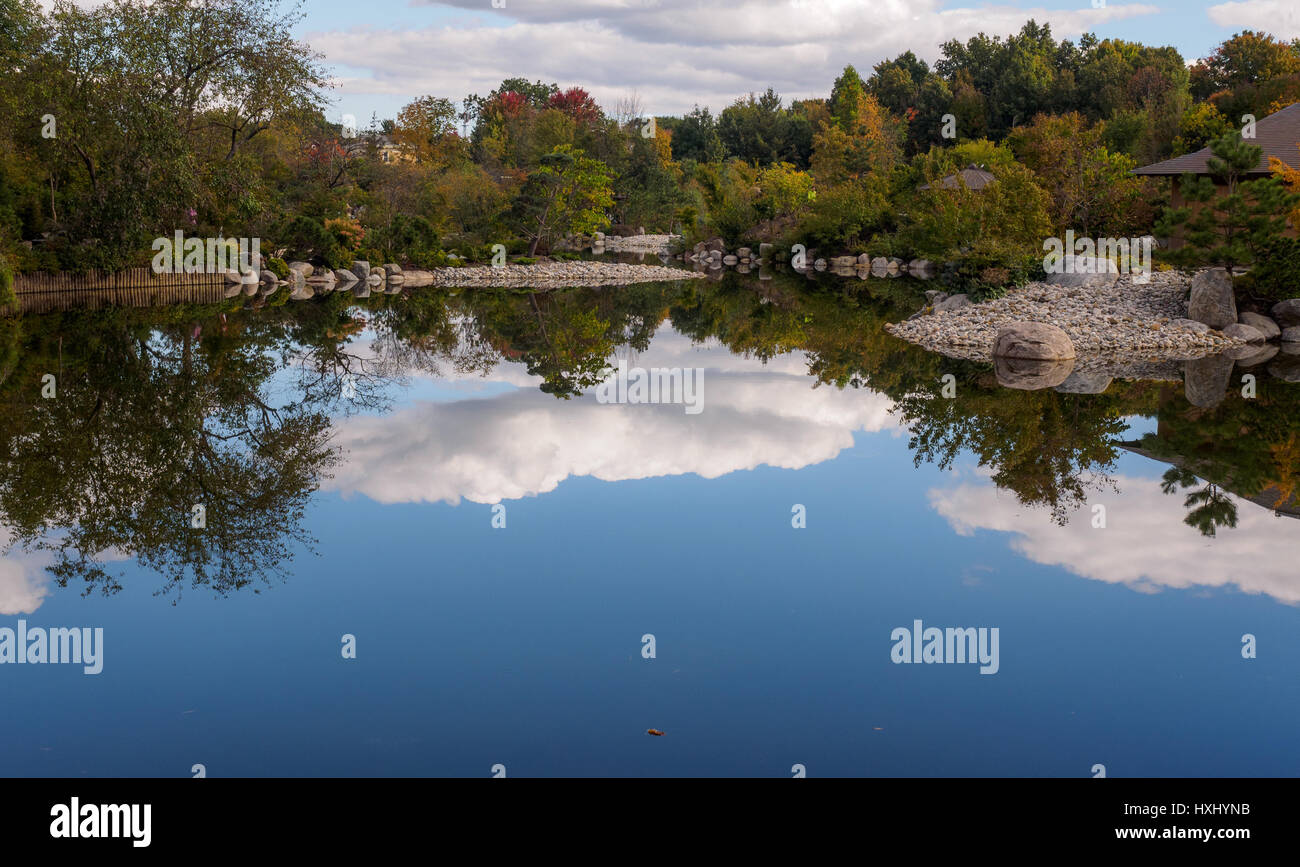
973	176
1277	135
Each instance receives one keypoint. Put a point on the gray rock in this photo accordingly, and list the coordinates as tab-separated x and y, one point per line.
1032	374
1287	313
1190	325
1262	324
864	259
1084	271
744	253
953	302
1205	380
844	262
1033	340
1291	334
716	245
304	268
729	260
1214	301
1245	332
361	270
820	264
392	268
344	279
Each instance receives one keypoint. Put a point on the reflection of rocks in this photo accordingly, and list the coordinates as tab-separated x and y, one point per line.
1206	380
1033	340
1032	374
1252	356
1286	368
1085	382
1214	301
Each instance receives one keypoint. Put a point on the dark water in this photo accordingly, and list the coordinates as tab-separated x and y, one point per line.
349	458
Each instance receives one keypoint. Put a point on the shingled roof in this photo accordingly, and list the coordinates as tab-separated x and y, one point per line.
973	176
1278	135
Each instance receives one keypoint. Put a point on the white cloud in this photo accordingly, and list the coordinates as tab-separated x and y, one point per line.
24	584
673	53
525	443
1278	17
1145	544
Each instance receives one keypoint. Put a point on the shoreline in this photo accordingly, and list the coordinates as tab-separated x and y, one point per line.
1116	321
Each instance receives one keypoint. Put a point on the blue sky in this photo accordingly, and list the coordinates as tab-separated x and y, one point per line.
671	54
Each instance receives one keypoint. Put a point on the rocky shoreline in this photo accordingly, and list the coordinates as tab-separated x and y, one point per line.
363	279
1113	319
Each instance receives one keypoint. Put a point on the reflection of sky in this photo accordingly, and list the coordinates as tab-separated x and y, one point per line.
522	646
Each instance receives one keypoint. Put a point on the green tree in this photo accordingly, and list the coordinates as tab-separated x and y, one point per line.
569	192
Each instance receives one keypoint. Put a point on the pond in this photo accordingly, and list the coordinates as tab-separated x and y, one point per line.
415	536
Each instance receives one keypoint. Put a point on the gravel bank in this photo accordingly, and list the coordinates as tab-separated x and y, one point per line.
640	243
1118	321
556	275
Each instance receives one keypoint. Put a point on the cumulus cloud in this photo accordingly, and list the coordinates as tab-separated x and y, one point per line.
1279	17
523	443
1145	543
672	53
24	584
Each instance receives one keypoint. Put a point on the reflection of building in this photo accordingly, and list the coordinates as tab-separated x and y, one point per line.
1272	497
1277	135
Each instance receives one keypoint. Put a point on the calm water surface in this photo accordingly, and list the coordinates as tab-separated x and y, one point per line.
349	460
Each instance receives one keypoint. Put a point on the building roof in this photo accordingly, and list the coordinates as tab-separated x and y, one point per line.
1278	134
975	178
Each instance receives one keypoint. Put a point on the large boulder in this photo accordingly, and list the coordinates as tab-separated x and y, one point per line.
1287	313
1213	300
953	302
1262	324
361	269
1291	334
1087	271
1189	325
1205	380
716	245
1245	332
1035	341
304	268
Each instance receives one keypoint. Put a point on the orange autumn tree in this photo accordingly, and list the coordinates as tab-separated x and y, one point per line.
1290	177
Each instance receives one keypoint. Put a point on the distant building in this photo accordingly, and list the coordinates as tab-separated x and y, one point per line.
973	176
1278	135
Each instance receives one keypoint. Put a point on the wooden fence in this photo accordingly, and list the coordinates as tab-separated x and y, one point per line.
135	287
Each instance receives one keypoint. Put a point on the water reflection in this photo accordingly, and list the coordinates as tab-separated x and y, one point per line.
249	412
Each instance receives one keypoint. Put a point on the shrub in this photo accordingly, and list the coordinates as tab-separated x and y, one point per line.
7	296
1275	274
278	267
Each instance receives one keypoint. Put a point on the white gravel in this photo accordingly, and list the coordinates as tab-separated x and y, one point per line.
1124	319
